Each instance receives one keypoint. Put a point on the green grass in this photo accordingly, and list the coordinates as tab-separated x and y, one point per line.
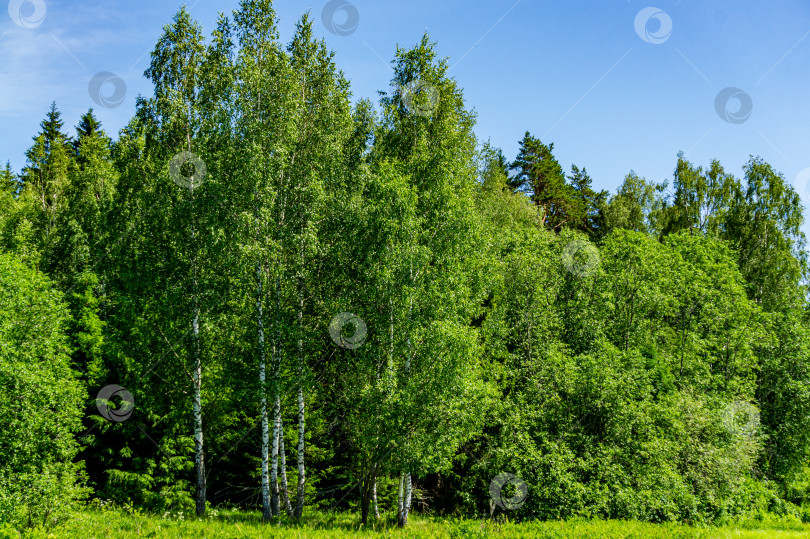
94	523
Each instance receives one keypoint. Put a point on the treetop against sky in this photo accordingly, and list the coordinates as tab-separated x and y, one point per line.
616	85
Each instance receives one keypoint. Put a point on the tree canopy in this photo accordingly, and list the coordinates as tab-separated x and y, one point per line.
320	303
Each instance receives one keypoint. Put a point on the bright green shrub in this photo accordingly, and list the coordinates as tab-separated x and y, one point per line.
40	402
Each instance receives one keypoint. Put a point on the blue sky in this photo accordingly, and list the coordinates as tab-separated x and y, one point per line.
574	73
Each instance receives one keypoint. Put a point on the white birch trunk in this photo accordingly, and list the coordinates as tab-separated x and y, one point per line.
404	499
408	492
285	491
374	499
276	410
302	474
199	459
266	510
274	498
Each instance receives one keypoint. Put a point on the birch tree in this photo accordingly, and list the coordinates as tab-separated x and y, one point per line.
323	125
263	96
419	280
175	70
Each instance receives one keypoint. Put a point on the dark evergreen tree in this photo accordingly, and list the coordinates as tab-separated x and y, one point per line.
538	174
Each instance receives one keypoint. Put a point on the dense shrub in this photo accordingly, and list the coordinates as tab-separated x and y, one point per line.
40	402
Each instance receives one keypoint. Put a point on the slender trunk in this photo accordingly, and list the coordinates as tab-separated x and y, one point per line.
408	493
368	492
274	494
374	498
199	458
302	473
276	408
285	492
267	503
404	501
266	510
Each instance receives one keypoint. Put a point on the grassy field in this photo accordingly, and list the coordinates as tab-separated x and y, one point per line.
240	525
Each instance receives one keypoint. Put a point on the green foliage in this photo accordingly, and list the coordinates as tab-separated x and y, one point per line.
540	176
637	205
40	400
636	356
619	412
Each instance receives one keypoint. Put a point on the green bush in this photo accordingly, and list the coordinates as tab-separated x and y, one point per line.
40	402
610	411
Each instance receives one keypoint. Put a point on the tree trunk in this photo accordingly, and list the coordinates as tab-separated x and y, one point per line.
408	493
274	505
368	493
302	474
266	509
404	501
274	500
199	459
374	499
365	498
285	491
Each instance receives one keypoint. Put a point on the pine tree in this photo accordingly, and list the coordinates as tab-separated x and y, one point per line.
540	176
44	182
